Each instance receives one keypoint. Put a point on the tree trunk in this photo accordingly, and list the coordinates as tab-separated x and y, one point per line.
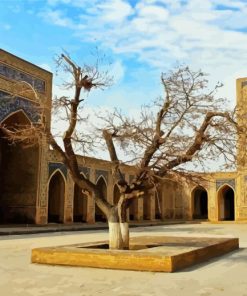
125	234
118	231
115	236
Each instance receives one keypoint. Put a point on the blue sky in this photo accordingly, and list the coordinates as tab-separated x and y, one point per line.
142	37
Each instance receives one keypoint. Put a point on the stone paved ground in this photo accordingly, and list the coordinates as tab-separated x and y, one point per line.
224	276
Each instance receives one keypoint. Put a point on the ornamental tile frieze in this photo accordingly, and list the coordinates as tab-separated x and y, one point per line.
15	74
10	104
85	171
102	173
53	166
230	182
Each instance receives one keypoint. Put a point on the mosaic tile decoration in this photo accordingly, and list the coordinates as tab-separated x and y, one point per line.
230	182
53	166
10	104
85	171
102	173
15	74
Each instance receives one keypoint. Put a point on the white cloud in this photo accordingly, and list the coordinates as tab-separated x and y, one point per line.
204	34
6	27
208	34
56	2
115	11
117	71
57	18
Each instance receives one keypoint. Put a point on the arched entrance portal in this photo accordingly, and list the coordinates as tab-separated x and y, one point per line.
200	203
56	198
226	205
101	185
18	175
80	205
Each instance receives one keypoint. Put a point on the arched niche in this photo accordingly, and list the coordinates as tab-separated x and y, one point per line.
18	174
56	198
226	203
199	203
79	205
17	119
102	187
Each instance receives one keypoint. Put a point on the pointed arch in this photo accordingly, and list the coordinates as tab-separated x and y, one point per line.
101	178
102	187
58	166
81	173
18	174
16	117
56	197
226	203
54	173
199	203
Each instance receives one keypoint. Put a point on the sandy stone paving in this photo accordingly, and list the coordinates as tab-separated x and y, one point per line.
225	276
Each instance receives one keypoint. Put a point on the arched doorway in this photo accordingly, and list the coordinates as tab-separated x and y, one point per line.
200	203
101	185
56	198
226	204
80	205
18	174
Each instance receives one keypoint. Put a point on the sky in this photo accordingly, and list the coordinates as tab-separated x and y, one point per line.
143	38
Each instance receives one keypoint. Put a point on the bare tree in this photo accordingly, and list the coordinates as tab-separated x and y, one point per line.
187	124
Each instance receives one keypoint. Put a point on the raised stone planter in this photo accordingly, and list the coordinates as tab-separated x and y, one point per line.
149	253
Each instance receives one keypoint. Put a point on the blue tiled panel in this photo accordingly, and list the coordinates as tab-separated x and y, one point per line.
230	182
53	166
17	75
10	104
85	171
102	173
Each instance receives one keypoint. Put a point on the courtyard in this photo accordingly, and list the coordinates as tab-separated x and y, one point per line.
221	276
